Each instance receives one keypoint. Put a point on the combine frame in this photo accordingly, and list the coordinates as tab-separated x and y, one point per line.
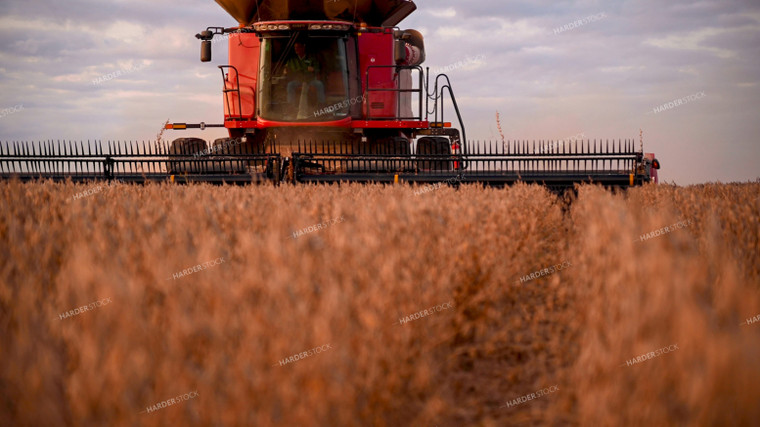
361	108
608	163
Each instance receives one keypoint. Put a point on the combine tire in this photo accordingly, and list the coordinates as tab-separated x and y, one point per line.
397	146
189	148
223	147
234	146
435	145
389	146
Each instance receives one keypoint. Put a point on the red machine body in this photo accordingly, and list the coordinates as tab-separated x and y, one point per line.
372	62
244	50
333	91
376	48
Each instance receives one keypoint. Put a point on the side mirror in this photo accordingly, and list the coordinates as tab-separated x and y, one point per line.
206	51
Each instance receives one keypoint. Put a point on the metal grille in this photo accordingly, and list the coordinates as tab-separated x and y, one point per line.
555	164
558	164
132	162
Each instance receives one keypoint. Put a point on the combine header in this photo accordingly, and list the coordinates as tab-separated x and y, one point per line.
331	91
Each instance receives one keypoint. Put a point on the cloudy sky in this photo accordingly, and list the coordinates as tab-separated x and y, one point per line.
602	79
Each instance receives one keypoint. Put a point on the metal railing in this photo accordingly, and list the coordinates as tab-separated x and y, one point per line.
235	89
397	89
438	97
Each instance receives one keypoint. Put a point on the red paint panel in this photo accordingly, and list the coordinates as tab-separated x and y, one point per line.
377	49
244	56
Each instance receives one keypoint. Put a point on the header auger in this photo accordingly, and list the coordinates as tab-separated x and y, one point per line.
331	91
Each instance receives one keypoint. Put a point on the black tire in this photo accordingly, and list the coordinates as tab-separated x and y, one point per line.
394	146
223	147
434	145
191	148
236	147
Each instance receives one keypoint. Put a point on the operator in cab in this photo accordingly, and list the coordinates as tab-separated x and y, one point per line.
303	70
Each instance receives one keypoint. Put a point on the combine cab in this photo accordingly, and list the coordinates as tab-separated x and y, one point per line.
332	91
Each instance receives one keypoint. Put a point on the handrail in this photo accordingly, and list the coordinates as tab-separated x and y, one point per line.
398	91
440	97
225	91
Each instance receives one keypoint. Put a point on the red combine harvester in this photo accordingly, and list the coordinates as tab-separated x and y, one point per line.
332	91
